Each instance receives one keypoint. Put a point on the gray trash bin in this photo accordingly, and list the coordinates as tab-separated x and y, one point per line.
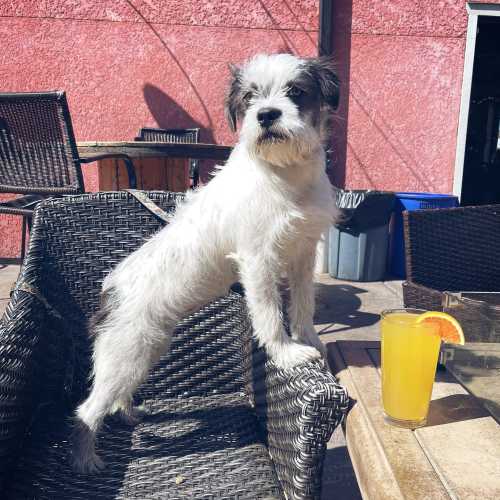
359	241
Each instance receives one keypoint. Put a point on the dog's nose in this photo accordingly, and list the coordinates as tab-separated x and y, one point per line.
267	116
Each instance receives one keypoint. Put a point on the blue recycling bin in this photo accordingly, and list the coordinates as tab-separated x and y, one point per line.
411	201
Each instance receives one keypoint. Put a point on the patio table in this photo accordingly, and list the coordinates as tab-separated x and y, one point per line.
456	455
158	165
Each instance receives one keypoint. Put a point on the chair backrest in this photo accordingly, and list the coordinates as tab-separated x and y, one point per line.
38	151
74	243
454	249
175	135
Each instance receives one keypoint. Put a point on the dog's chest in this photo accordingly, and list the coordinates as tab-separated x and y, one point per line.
305	221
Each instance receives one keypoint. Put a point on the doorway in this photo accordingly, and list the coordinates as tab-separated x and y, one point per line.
480	183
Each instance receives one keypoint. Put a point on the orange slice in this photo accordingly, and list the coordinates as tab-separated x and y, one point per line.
450	330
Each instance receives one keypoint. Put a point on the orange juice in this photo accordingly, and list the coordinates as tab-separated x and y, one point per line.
409	358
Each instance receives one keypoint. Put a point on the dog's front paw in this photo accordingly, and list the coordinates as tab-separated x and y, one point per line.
134	415
293	354
310	337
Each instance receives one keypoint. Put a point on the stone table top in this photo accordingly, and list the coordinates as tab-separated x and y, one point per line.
456	455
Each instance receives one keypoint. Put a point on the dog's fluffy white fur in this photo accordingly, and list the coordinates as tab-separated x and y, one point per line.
258	219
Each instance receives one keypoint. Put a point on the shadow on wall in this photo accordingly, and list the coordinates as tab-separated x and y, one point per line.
288	45
342	24
353	90
169	114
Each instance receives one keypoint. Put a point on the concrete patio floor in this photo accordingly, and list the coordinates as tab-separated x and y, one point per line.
8	275
348	310
344	310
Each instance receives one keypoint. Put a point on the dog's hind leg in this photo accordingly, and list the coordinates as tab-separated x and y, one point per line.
260	276
123	357
88	420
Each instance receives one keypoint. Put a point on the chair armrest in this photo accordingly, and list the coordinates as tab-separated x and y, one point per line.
298	409
421	297
132	180
21	330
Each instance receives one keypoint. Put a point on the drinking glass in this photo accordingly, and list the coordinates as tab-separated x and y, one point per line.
409	358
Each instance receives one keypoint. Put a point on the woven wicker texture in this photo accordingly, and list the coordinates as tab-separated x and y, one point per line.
295	409
450	249
422	297
223	423
37	148
183	136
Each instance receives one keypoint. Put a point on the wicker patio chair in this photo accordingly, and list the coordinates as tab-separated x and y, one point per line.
224	421
38	153
450	249
175	135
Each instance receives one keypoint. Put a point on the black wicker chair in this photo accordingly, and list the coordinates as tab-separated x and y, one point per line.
175	135
224	423
38	153
450	249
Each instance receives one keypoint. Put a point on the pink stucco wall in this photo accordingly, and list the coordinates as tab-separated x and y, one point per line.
402	64
131	63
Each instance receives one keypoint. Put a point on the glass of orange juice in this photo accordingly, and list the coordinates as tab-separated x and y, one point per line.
410	353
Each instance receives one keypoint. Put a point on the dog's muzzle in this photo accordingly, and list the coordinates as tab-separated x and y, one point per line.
267	116
271	136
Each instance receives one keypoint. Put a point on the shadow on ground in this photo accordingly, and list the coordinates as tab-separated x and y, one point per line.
339	479
340	304
454	408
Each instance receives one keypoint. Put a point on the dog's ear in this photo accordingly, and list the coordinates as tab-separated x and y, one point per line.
233	104
329	86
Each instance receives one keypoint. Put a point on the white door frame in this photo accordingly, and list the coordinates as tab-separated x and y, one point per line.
474	10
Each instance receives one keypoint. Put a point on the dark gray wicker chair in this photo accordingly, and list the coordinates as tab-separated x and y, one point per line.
450	249
224	423
38	153
175	135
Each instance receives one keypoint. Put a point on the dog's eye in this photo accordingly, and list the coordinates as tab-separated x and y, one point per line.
248	97
294	92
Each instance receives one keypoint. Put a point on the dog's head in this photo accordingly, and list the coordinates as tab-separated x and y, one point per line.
282	103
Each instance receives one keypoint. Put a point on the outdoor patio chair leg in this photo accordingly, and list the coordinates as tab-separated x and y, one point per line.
131	173
23	238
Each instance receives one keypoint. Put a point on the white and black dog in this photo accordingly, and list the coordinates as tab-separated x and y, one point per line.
257	220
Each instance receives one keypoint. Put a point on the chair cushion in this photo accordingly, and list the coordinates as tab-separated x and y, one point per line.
197	447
